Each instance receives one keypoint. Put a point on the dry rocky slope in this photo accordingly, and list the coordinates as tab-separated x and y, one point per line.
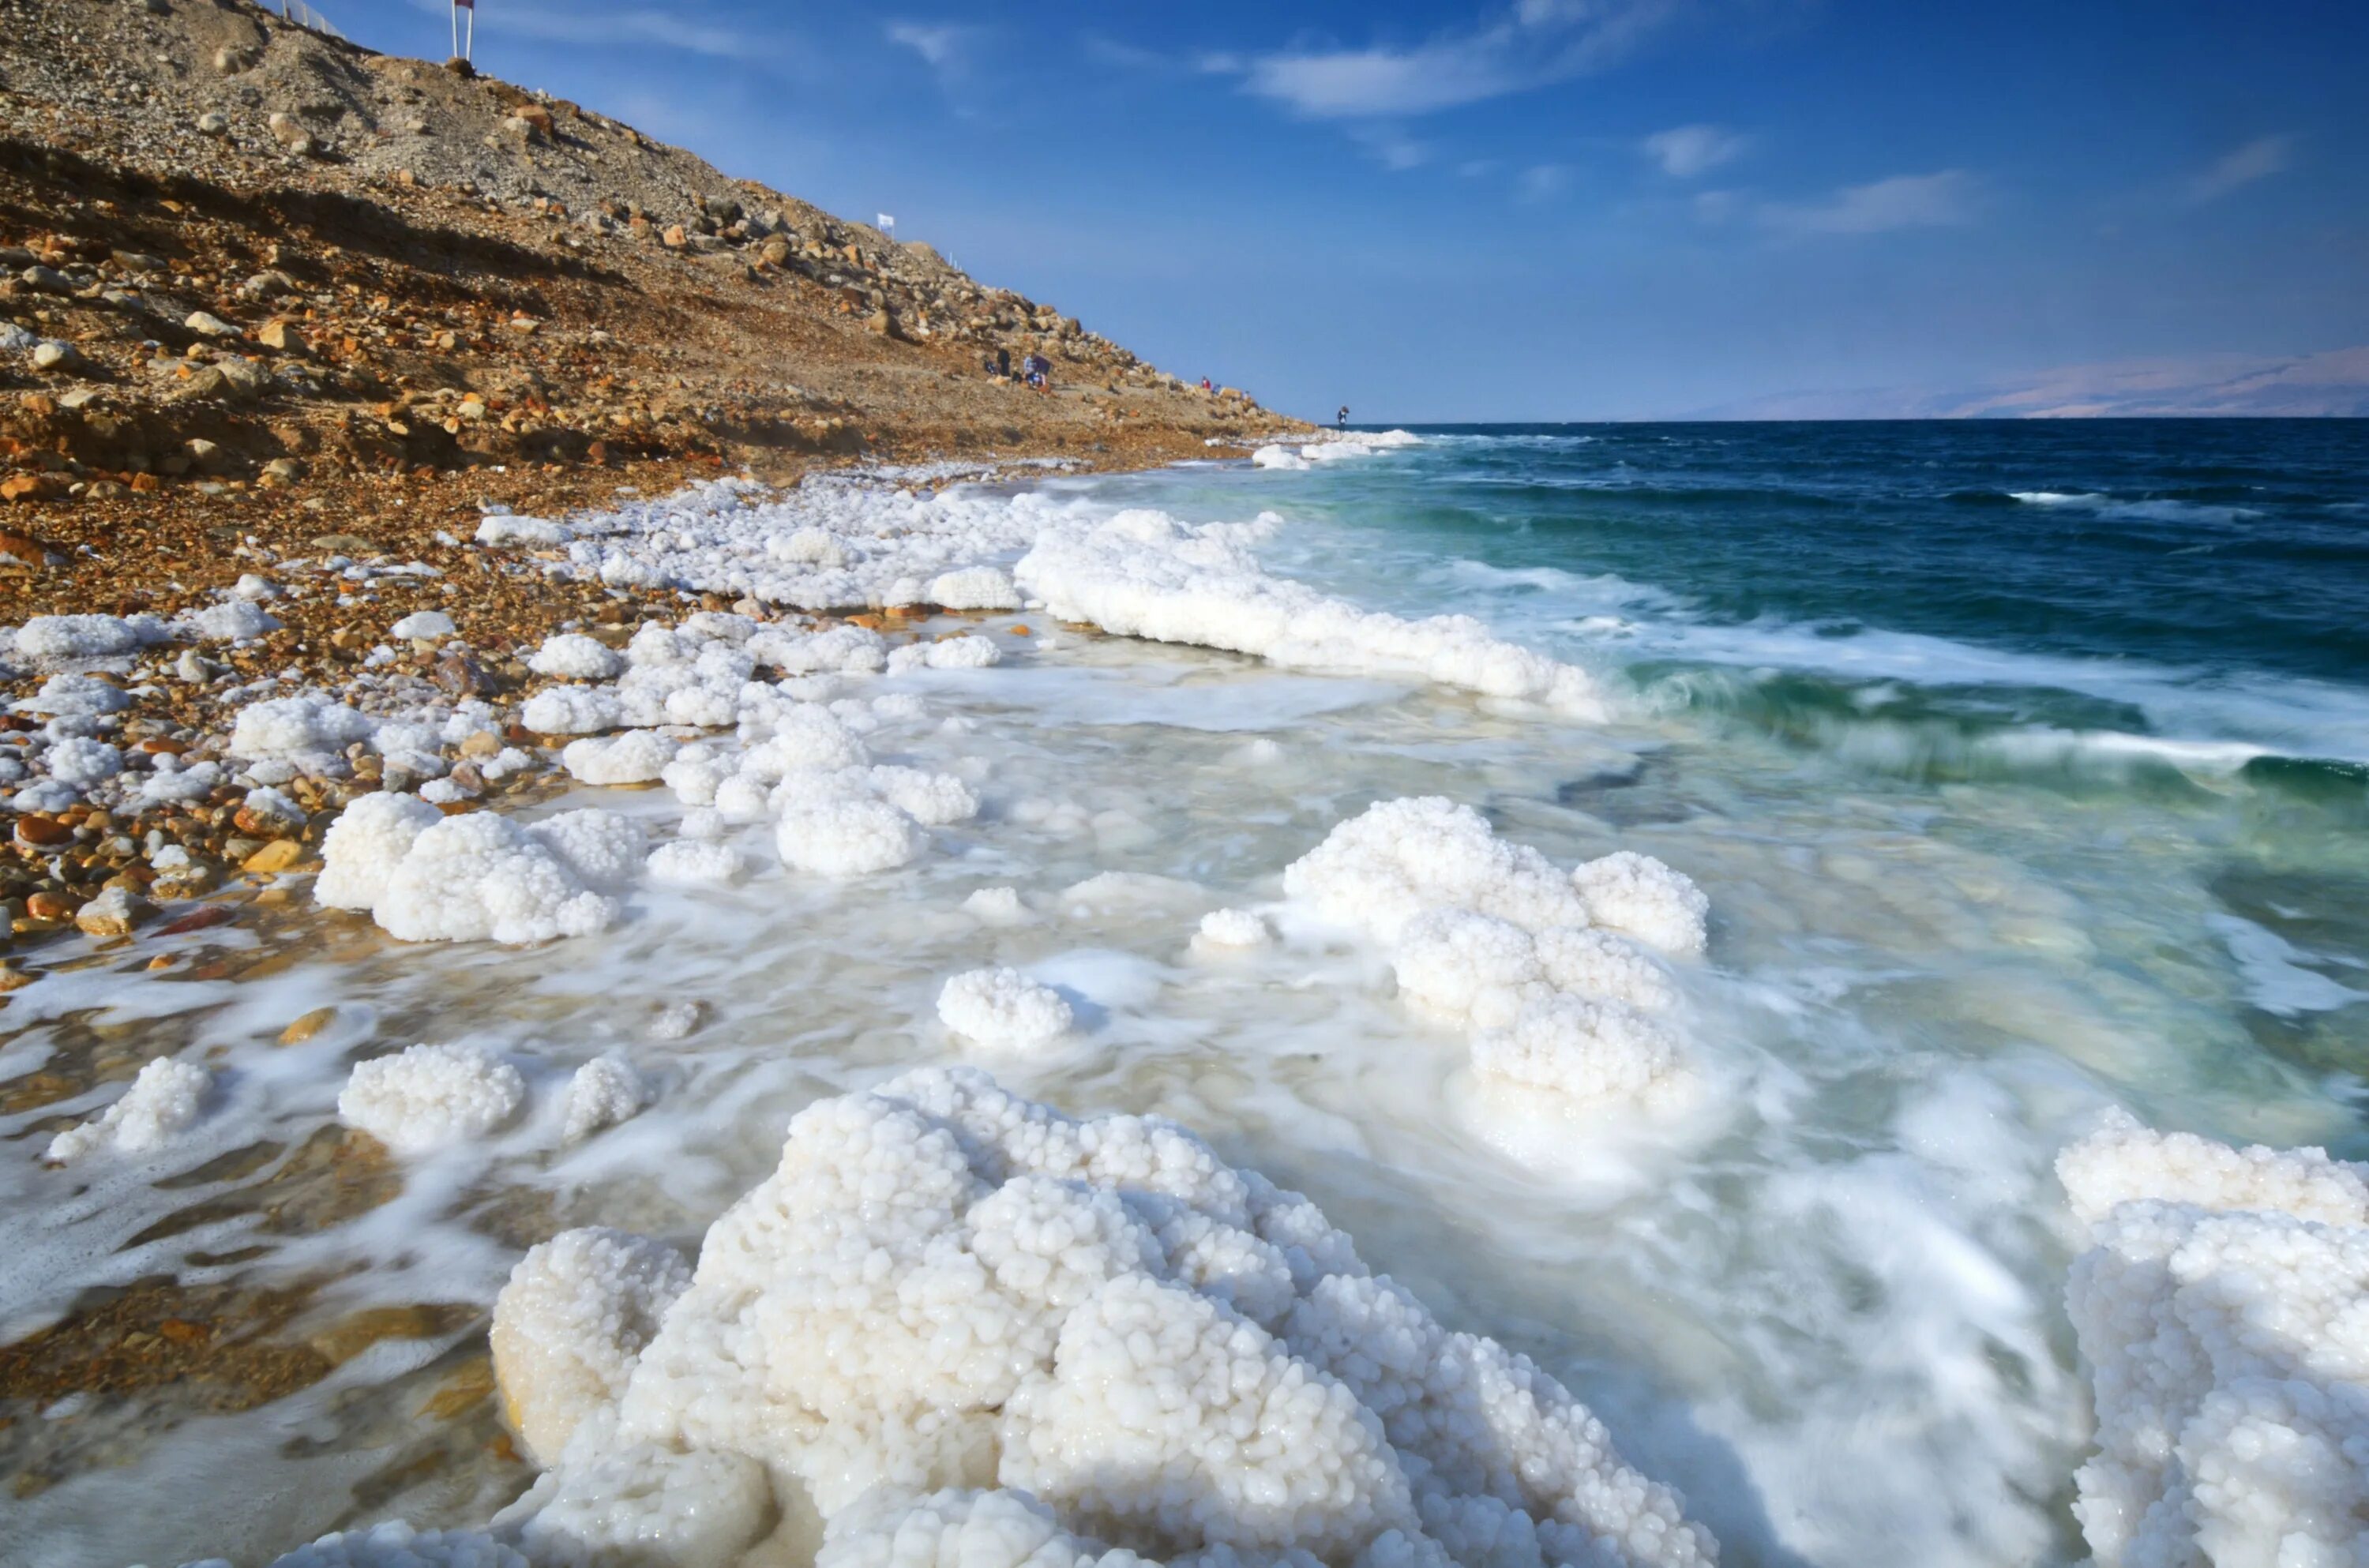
238	255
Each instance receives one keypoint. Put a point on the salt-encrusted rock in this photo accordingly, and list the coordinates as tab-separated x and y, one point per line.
847	837
690	863
603	1093
2220	1309
975	587
1639	895
574	656
234	620
295	727
431	1095
638	756
571	710
165	1099
944	1287
428	878
423	625
1231	930
1003	1010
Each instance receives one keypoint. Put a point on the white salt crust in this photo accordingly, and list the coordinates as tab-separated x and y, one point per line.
1491	937
974	1333
430	1095
575	657
2222	1307
163	1100
604	1092
1231	930
424	876
1003	1011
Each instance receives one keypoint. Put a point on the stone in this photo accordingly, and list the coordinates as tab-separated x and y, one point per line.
213	124
776	252
882	323
675	238
113	913
205	324
206	454
537	117
45	280
268	285
460	67
230	60
273	858
308	1026
284	337
55	356
38	833
48	905
285	469
32	487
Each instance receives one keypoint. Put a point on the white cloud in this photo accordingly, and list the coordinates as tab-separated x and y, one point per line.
1543	182
1536	43
944	47
1391	147
1945	200
1685	151
2240	166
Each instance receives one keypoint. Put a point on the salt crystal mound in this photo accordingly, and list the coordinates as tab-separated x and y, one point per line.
969	651
1003	1011
233	620
52	637
1492	937
428	1097
605	1091
1144	574
1232	928
74	696
304	730
635	757
974	587
2222	1307
424	876
1095	1330
164	1100
397	1545
845	835
573	655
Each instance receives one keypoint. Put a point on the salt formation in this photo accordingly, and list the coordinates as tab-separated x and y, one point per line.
304	730
2224	1308
427	1096
1003	1010
1231	930
1144	574
844	836
424	876
397	1545
1089	1329
1490	936
162	1101
605	1090
572	656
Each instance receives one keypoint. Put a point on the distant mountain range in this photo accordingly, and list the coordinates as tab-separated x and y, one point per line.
2323	385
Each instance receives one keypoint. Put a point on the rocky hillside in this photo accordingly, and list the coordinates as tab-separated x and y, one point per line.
236	256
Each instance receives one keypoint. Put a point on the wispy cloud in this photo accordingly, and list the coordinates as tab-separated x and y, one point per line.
1685	151
665	29
1543	182
1533	44
1946	200
2240	166
1392	147
944	47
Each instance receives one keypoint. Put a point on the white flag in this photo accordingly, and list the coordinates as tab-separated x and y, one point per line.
888	224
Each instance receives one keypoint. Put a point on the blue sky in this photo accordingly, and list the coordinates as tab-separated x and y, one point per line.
1546	208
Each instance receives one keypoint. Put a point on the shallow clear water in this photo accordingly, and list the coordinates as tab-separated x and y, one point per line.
2006	811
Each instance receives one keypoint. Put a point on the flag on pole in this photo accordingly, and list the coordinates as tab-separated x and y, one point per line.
465	4
888	224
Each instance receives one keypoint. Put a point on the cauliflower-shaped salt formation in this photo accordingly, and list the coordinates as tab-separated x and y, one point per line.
934	800
74	696
571	710
996	905
577	1312
162	1101
1003	1010
87	636
82	762
974	587
1492	937
604	1092
2221	1306
233	620
1639	895
645	1504
575	657
428	1097
844	836
945	1287
295	727
693	862
637	756
365	844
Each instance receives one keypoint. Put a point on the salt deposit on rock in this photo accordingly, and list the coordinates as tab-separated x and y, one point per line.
74	696
430	1095
428	878
397	1545
975	587
1232	930
2221	1308
604	1092
297	729
1144	574
575	657
571	710
87	636
1491	937
996	905
965	652
1095	1331
1003	1010
847	837
423	625
635	757
82	762
934	800
693	862
507	529
234	620
162	1101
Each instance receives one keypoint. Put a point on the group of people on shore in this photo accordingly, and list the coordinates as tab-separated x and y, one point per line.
1035	370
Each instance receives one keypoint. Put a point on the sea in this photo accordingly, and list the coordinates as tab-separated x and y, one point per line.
2026	768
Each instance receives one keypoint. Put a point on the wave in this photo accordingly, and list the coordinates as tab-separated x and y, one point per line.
2147	510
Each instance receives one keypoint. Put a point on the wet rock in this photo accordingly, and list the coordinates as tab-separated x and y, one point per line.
115	913
311	1024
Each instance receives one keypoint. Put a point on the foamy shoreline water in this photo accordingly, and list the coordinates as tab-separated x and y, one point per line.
1120	841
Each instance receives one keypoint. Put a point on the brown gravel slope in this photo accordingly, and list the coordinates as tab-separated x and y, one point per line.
255	281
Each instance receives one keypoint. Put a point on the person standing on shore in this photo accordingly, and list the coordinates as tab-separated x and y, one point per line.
1205	387
1341	420
1003	365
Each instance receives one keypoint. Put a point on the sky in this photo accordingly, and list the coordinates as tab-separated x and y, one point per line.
1548	209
